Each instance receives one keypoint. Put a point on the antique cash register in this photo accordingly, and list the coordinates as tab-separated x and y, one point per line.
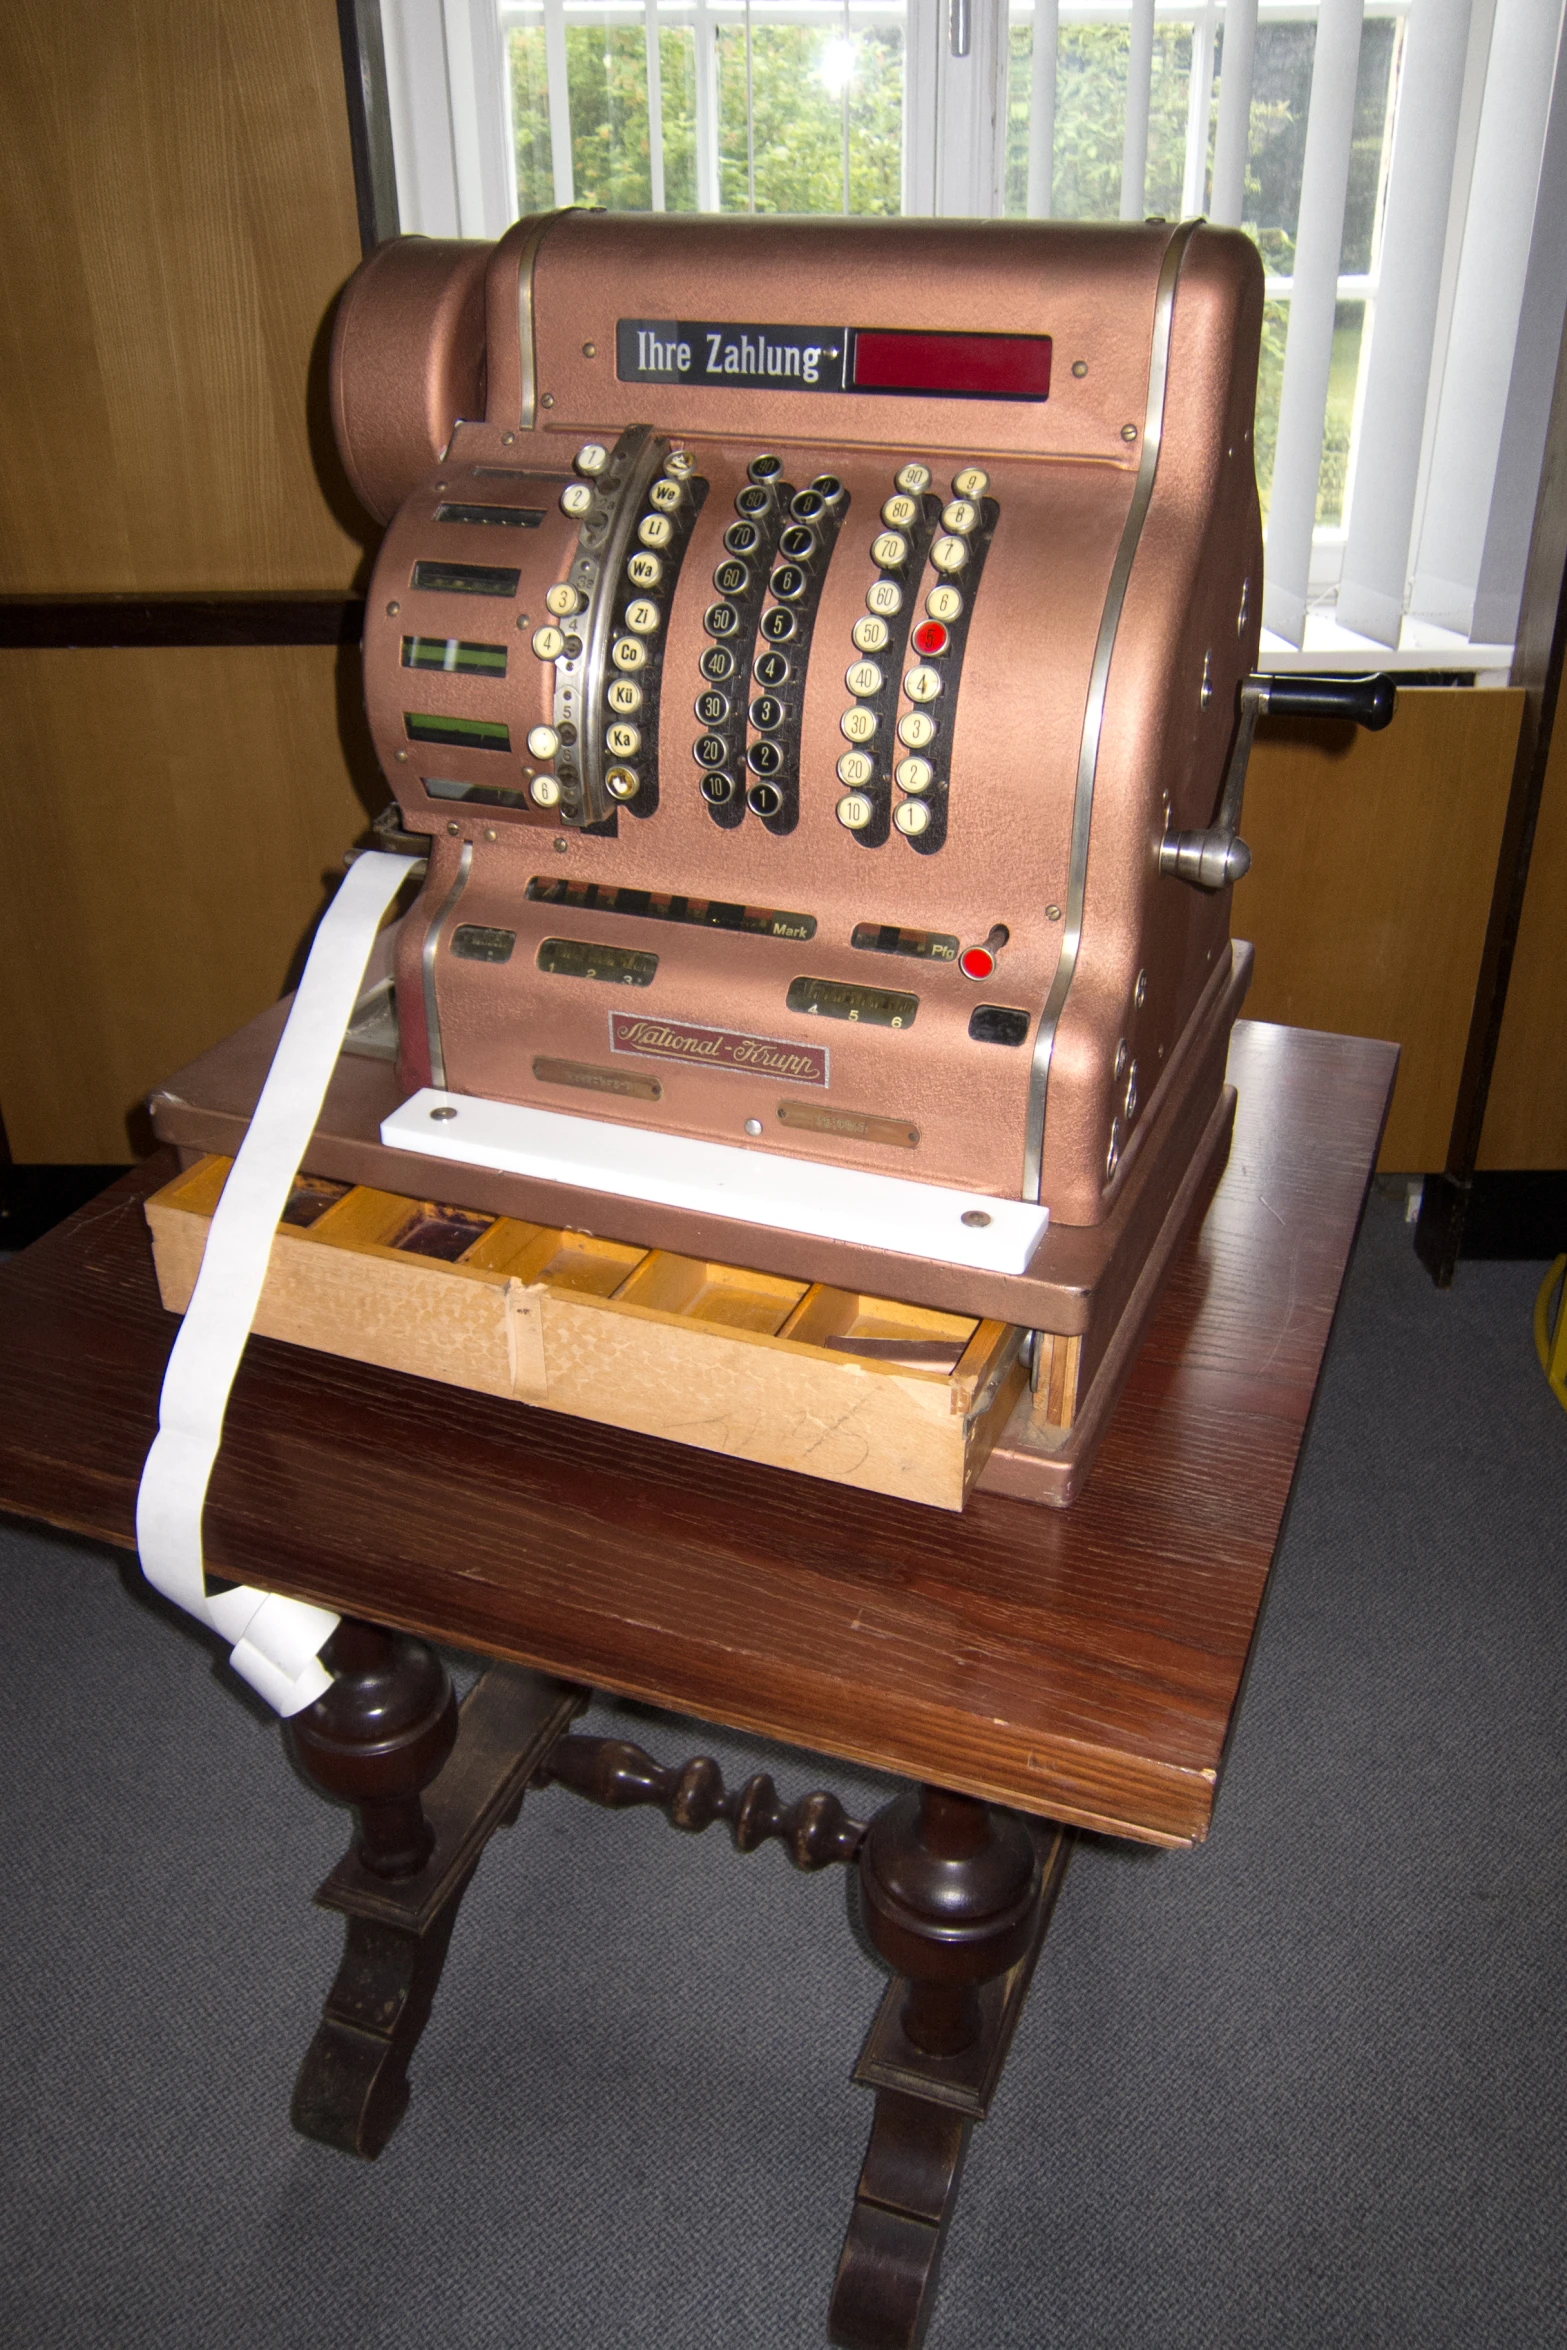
814	661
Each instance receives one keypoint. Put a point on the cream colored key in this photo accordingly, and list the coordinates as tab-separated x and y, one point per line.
543	742
855	768
680	462
884	596
655	530
665	495
623	695
950	554
970	483
945	603
911	816
548	643
914	479
858	725
622	741
862	677
628	652
916	729
621	784
544	791
575	498
562	599
643	615
962	516
914	775
644	570
870	634
890	549
592	457
923	684
898	513
855	811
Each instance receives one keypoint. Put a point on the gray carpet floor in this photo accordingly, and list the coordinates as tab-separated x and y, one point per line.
1303	2086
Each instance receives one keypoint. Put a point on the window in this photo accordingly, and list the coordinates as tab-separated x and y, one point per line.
1402	165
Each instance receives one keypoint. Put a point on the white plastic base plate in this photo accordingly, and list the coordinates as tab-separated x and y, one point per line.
720	1179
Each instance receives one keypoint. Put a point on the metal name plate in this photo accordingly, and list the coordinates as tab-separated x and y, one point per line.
704	351
718	1048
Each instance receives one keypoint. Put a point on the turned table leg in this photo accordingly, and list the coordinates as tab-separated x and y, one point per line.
387	1728
956	1896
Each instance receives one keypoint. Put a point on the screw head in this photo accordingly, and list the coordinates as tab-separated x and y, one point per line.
1052	913
975	1218
454	828
393	609
1128	432
547	400
402	758
1080	367
753	1125
590	350
442	1111
507	439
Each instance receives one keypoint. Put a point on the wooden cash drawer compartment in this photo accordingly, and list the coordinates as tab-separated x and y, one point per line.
863	1390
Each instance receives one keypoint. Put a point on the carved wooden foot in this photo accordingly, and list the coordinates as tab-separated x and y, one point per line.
956	1896
380	1735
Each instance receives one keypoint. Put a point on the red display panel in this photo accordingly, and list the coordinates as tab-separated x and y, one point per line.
953	367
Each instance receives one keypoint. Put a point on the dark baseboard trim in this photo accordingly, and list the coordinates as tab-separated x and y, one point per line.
91	623
1517	1213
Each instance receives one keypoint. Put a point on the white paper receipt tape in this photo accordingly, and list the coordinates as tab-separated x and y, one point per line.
275	1641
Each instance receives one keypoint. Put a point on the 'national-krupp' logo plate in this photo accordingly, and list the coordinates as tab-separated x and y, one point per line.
718	1048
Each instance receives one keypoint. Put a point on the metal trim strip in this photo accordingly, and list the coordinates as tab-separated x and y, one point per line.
432	940
1093	715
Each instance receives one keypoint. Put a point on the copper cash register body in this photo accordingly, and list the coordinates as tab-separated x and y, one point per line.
795	755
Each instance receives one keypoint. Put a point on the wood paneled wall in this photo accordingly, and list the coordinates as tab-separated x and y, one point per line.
1526	1115
1373	862
176	217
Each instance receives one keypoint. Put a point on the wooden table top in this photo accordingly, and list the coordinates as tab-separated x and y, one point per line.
1082	1663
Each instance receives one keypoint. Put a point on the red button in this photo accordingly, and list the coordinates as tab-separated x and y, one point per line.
976	963
930	637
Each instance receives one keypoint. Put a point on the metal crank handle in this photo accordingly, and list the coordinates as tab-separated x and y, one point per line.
1216	856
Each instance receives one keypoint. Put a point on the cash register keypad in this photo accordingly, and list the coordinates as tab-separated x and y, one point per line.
909	517
750	544
805	544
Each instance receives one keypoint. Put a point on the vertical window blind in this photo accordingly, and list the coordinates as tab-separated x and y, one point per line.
1402	165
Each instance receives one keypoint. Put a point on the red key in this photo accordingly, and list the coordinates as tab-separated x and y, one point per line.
930	637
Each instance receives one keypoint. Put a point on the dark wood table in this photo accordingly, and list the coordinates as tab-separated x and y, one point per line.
1029	1669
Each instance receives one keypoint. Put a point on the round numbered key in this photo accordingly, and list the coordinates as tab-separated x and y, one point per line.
789	583
945	604
622	741
828	488
576	499
562	599
710	750
665	495
914	775
922	684
628	652
764	799
771	668
855	811
858	725
916	730
765	468
779	624
643	615
741	537
544	791
754	500
911	817
592	457
764	758
798	543
721	620
962	515
854	768
884	597
899	512
718	789
681	463
914	479
732	578
970	483
644	570
712	708
890	549
863	677
717	663
767	713
624	696
543	742
950	554
805	505
655	530
548	643
622	783
870	634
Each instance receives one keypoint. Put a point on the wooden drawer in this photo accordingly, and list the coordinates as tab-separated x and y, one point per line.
899	1399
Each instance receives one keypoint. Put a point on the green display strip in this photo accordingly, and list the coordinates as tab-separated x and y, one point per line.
651	905
582	958
834	999
465	579
454	656
483	795
885	938
498	517
461	734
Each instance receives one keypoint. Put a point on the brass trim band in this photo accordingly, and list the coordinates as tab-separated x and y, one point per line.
432	940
